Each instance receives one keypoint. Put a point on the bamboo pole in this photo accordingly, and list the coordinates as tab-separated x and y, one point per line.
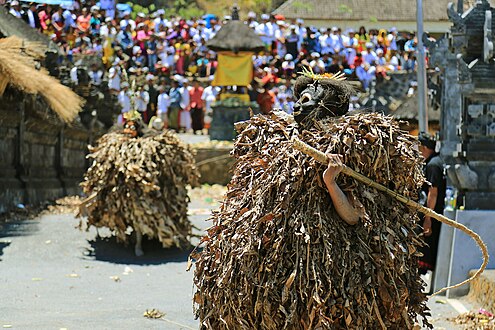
322	158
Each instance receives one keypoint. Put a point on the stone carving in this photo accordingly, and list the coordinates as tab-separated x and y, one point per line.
488	37
468	102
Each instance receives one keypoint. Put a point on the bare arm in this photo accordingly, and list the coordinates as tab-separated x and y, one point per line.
430	203
348	212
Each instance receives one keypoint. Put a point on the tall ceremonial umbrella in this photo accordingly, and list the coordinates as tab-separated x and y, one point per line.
235	44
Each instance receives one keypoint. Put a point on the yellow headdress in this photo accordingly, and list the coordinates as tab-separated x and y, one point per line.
315	76
132	115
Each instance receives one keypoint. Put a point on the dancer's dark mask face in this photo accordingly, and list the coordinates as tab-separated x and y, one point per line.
130	128
308	101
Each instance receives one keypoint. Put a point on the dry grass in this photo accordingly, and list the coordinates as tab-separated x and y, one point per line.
17	67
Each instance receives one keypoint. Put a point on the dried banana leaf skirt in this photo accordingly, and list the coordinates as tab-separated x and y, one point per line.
140	183
279	257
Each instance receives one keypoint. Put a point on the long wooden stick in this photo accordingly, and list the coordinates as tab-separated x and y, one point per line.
322	158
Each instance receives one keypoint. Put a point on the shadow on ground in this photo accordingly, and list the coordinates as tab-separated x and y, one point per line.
3	245
107	249
18	228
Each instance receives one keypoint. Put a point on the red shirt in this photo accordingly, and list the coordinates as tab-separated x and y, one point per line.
195	97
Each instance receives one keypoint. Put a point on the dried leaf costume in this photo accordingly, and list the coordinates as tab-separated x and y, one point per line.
278	256
138	181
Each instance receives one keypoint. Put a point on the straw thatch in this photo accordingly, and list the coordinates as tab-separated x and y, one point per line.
237	37
18	68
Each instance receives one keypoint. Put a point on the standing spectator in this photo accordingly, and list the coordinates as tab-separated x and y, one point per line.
369	56
69	21
288	66
301	32
366	73
45	17
174	109
142	98
126	20
433	197
163	104
251	20
312	42
291	41
337	41
326	42
266	31
197	110
317	64
95	75
58	22
266	100
153	94
209	96
15	9
114	78
160	22
151	50
83	21
392	39
363	38
31	17
124	99
185	101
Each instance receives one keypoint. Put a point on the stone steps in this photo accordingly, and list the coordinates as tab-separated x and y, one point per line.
482	290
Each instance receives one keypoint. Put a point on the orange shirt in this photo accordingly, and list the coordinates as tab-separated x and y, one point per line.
266	100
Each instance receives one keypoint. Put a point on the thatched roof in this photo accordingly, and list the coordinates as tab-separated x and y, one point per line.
13	26
18	69
353	10
408	110
235	36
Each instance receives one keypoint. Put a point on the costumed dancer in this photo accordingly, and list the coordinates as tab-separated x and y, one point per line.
296	246
137	184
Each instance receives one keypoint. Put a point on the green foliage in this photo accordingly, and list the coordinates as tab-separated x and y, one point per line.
373	19
183	8
299	5
262	6
345	9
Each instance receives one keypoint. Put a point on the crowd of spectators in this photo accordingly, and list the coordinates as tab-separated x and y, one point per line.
166	52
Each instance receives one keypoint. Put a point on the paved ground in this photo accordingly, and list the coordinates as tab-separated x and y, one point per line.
53	276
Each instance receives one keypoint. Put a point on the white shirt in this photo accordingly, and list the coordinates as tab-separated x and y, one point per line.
15	13
185	99
288	65
266	31
281	50
114	78
210	95
73	75
124	99
32	22
326	44
317	65
159	22
163	103
141	101
125	22
96	77
369	57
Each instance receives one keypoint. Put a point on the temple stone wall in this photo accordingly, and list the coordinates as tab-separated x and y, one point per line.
40	157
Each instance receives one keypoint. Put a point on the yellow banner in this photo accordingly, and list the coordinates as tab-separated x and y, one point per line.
234	69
